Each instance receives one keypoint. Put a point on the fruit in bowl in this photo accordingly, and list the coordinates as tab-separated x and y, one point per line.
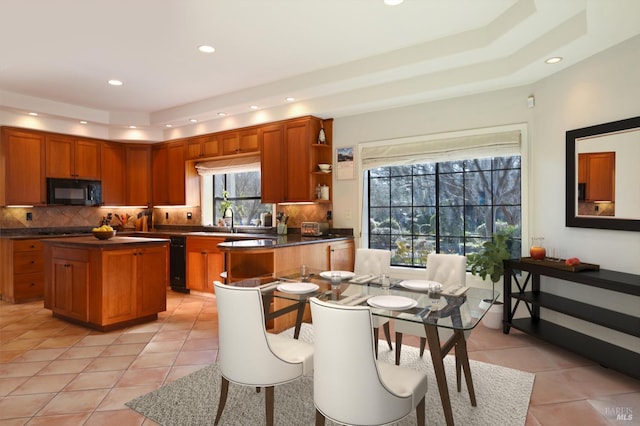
103	232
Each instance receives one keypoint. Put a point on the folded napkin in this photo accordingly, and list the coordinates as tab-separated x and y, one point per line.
454	291
363	279
354	300
269	286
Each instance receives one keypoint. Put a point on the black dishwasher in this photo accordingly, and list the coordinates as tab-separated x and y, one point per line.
178	264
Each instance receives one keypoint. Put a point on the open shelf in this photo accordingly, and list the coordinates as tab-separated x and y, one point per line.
614	320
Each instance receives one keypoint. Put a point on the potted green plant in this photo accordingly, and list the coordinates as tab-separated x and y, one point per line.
225	207
488	262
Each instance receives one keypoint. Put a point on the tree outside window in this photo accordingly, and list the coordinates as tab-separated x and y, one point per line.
446	207
243	191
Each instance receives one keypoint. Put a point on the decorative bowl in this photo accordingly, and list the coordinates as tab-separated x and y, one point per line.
104	235
324	167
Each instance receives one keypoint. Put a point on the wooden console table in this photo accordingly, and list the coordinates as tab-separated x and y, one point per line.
604	353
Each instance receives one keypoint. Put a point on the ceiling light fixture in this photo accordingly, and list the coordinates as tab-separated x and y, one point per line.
254	107
222	114
553	60
115	82
83	122
392	2
290	99
193	120
168	125
132	127
206	49
33	114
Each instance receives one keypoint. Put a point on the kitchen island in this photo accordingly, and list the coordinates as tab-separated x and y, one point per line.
106	284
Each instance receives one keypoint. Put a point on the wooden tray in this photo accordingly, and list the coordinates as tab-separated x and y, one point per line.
561	265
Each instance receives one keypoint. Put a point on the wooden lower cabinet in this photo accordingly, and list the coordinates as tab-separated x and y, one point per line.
107	289
22	275
69	284
205	263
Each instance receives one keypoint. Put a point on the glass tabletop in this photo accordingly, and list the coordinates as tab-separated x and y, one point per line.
456	308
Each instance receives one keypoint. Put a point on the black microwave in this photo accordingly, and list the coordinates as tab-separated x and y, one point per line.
74	192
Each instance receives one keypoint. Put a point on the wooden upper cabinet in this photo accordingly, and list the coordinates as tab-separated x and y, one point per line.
288	155
138	173
22	179
297	140
168	165
203	147
240	142
272	184
69	157
114	190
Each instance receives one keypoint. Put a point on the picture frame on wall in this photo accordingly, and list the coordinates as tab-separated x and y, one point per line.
345	165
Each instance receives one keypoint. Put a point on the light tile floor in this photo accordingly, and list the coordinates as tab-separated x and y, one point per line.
56	373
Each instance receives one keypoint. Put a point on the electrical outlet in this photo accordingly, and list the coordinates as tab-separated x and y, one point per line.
29	216
189	216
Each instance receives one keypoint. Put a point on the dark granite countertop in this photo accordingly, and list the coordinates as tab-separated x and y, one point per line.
92	242
280	241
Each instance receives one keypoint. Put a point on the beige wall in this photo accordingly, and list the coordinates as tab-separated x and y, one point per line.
601	89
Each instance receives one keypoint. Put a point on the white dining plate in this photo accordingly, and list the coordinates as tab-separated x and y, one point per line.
393	303
421	285
297	288
344	274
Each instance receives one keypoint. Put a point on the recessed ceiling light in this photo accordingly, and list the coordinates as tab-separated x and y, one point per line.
553	60
168	125
222	114
193	120
290	99
115	82
206	49
33	114
83	122
392	2
132	127
254	107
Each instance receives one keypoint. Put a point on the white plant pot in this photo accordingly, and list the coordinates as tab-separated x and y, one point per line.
493	318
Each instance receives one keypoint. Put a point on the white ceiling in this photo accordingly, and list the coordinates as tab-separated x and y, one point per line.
336	57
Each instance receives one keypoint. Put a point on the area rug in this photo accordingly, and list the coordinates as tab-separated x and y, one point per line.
502	395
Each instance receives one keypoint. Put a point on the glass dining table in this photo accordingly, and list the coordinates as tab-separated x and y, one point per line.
456	308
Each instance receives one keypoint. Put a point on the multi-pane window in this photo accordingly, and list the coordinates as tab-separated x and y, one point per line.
244	194
444	207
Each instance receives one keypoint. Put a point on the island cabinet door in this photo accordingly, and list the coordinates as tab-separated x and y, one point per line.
342	255
69	289
152	273
116	300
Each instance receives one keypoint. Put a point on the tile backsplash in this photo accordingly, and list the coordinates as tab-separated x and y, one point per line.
74	216
58	217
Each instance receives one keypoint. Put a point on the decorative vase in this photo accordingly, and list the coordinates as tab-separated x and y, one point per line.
322	137
537	250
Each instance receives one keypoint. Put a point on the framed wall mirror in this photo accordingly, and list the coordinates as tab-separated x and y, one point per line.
603	176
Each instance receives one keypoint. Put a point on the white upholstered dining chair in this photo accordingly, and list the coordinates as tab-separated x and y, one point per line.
448	270
349	385
250	356
375	262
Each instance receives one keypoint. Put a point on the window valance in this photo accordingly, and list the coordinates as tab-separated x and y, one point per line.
430	149
229	165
